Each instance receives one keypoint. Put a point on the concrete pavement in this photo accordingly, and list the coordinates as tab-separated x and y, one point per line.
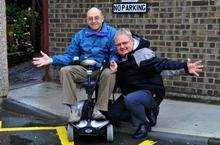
194	123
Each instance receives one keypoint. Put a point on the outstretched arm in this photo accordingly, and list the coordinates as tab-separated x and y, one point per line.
41	61
157	65
193	68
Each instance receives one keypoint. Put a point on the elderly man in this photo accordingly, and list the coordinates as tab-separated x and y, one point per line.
139	77
94	41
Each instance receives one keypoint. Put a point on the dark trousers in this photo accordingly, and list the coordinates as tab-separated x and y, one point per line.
139	103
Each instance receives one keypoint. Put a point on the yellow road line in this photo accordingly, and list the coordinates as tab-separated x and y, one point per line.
26	129
61	131
147	142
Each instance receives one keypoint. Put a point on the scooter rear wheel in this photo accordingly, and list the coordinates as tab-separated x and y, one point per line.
70	132
110	133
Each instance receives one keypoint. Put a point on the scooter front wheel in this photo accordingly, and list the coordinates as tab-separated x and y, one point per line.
70	132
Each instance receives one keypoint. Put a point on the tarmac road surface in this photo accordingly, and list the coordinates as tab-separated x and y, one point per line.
19	129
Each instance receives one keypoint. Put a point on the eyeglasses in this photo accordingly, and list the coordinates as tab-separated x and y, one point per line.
122	43
91	19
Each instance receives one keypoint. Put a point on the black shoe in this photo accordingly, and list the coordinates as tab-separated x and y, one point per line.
142	131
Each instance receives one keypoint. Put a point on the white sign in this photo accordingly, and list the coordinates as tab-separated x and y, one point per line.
130	7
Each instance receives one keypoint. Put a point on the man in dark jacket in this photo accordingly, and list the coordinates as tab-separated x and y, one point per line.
139	76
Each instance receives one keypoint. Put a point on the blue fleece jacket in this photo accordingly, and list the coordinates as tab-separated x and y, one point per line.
89	44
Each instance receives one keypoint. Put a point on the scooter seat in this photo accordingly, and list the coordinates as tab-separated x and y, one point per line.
89	63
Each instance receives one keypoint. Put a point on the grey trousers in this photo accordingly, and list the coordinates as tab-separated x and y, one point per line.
73	74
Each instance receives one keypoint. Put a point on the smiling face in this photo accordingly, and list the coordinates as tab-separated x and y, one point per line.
124	44
94	19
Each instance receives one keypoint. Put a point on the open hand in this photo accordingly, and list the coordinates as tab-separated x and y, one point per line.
194	67
41	61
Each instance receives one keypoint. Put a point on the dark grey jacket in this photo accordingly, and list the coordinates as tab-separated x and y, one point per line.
141	70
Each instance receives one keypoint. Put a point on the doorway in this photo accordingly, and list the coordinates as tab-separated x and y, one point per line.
24	40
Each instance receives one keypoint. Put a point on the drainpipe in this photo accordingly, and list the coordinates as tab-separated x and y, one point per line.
45	35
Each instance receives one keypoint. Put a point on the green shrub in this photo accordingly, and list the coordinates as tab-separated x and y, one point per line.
19	20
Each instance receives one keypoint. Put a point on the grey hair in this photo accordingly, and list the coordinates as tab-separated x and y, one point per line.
123	31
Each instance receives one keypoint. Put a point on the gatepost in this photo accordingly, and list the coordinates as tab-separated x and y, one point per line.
4	85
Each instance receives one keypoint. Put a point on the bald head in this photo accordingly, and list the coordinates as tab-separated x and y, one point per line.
94	10
94	18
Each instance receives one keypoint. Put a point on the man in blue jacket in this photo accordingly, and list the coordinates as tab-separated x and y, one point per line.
94	41
139	76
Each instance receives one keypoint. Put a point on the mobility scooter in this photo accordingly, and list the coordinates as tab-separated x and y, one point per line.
87	126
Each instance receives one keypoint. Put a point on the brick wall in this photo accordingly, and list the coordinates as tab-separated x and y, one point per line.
4	86
177	29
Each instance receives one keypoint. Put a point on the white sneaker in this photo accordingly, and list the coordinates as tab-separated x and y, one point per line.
76	112
97	114
74	116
